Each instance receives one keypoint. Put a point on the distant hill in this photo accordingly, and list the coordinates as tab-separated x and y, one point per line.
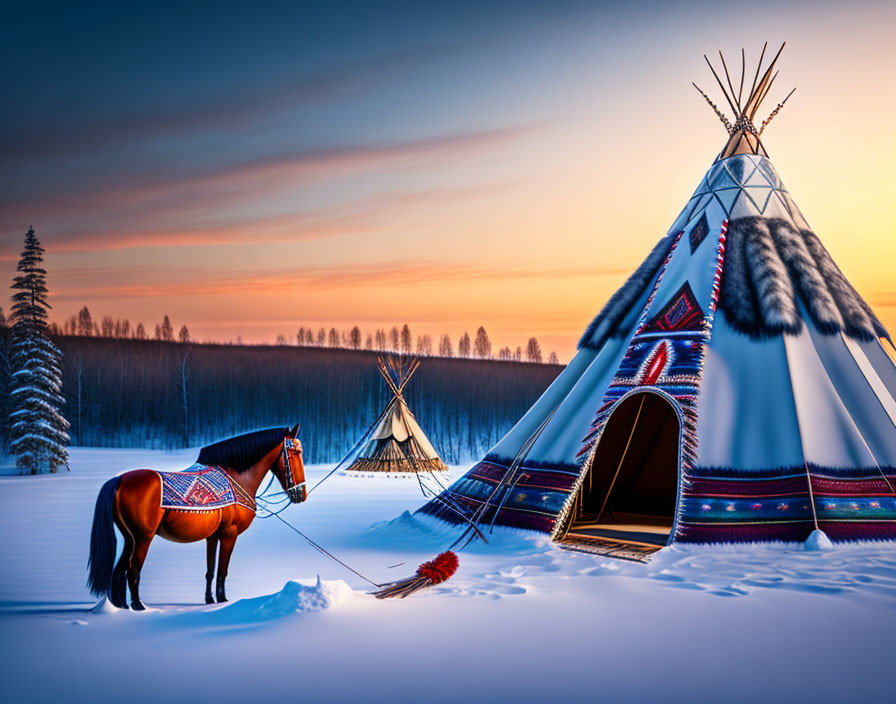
130	393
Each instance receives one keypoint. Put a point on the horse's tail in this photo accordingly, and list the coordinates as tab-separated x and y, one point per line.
102	540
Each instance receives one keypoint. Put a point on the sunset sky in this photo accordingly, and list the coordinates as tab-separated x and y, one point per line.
249	168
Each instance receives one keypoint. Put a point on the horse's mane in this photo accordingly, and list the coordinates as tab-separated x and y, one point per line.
241	452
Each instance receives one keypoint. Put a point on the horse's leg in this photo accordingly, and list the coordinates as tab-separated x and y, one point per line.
141	547
138	506
118	593
227	542
211	547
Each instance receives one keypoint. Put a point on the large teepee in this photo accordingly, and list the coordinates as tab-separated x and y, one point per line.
736	388
395	442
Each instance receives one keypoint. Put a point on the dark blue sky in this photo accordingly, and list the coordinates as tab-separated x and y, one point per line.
250	167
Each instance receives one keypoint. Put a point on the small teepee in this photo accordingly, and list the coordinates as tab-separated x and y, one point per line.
736	388
395	442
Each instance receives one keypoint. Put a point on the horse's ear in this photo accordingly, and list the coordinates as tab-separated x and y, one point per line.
294	433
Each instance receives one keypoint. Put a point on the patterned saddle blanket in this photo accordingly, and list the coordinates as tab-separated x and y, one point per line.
200	488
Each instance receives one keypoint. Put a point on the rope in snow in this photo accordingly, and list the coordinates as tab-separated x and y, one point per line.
323	551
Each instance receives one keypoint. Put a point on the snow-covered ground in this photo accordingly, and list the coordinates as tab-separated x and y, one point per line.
521	621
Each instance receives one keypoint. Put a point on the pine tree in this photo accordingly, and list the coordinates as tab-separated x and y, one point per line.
38	431
5	381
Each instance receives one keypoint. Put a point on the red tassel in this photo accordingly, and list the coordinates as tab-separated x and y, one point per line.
429	573
440	569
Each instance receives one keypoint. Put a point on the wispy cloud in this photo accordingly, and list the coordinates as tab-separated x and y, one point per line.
367	215
81	284
163	207
231	111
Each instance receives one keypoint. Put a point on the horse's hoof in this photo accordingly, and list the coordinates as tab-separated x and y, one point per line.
209	600
222	599
138	606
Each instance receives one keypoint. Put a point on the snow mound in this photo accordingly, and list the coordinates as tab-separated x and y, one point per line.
818	540
410	530
296	598
104	606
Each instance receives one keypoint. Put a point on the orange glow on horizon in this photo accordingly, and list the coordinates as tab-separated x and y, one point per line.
524	223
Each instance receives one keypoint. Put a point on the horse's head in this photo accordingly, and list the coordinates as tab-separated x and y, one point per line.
290	469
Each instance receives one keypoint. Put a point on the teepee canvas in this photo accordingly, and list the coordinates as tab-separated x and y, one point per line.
736	388
395	442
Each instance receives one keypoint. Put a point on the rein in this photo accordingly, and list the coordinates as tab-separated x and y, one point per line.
427	574
292	487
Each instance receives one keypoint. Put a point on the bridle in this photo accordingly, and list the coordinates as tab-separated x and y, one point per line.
294	490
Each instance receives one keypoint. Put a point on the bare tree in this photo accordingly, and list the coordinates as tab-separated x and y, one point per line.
518	355
166	330
334	337
505	355
309	337
482	348
406	339
424	345
533	350
321	337
394	339
85	322
464	345
184	335
355	338
445	348
281	340
140	332
300	337
183	386
368	342
107	326
553	358
380	340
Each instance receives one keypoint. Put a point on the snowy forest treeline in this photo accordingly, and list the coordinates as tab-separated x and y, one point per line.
398	340
158	394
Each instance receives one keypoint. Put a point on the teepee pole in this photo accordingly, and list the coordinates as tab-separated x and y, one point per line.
385	373
728	78
811	495
724	92
756	100
621	460
756	77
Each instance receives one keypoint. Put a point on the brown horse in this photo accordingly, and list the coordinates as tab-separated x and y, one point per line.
133	502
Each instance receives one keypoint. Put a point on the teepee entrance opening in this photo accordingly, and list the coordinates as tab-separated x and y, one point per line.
626	505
